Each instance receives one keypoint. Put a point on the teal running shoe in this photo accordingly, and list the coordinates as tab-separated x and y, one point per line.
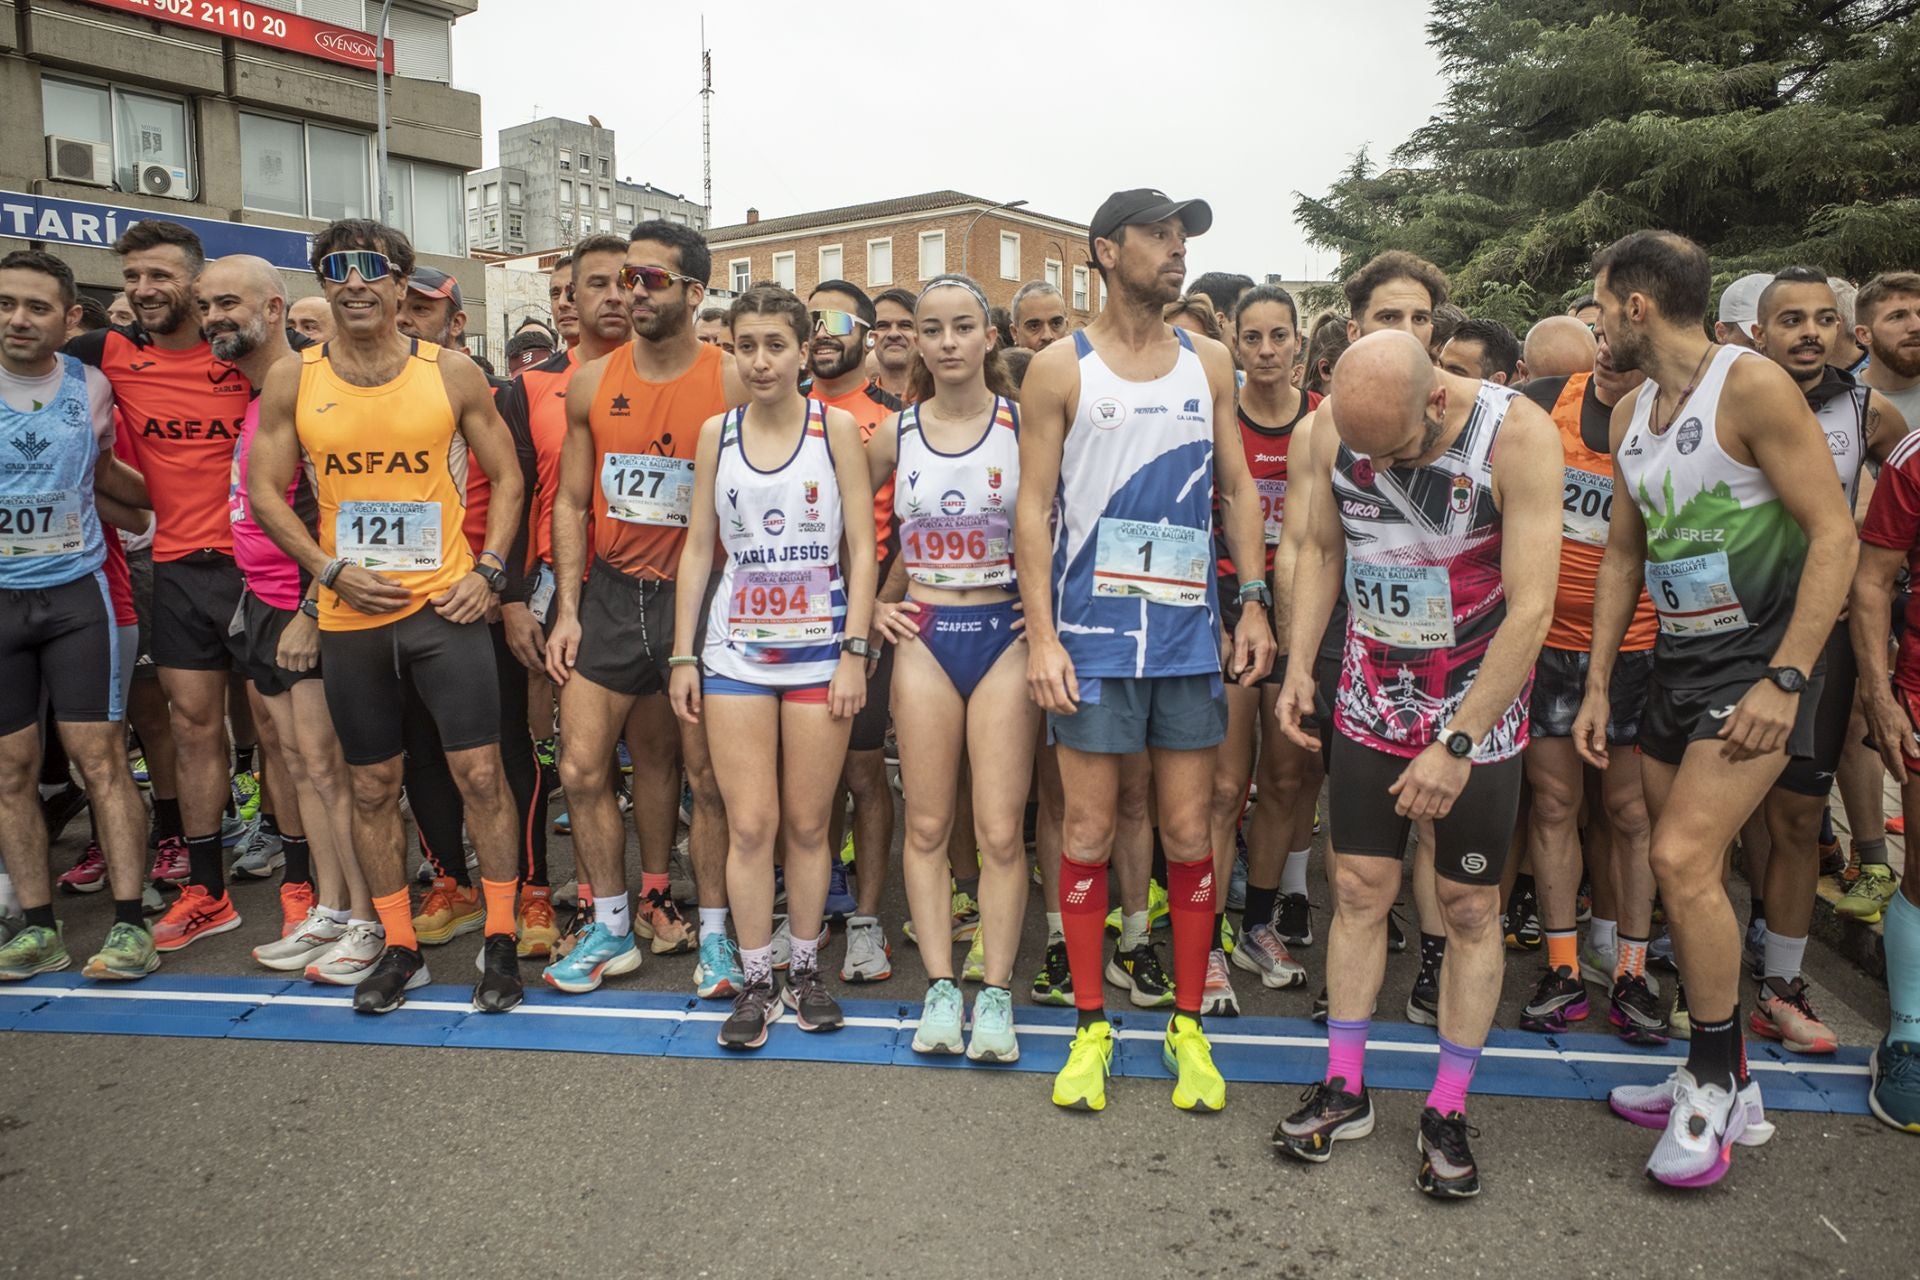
940	1017
597	955
35	949
717	974
993	1039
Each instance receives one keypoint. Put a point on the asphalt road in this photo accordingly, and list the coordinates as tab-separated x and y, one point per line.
160	1157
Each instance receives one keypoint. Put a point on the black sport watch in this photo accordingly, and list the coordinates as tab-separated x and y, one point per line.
1790	679
1458	744
858	646
496	578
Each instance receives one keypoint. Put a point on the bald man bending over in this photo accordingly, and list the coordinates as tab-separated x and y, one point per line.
1557	347
1451	561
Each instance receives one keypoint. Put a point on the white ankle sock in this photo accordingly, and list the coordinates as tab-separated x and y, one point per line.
713	920
1293	877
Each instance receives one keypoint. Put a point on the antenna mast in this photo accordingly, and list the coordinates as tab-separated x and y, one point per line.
706	116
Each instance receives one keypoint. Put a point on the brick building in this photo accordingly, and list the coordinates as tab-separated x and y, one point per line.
907	241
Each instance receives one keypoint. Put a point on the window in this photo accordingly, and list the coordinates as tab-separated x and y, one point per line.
606	224
675	216
880	261
566	191
1103	293
473	199
493	226
422	42
603	198
1080	298
146	134
740	274
339	165
273	165
515	193
566	226
830	260
1053	273
1009	255
604	168
566	160
933	253
783	270
624	212
420	202
491	195
516	228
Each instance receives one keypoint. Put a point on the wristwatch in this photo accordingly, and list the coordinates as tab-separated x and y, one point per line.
496	578
858	646
1790	679
1458	744
1256	590
311	608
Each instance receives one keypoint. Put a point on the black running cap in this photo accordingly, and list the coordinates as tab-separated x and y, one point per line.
1143	205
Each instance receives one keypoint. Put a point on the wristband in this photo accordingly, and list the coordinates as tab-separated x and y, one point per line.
330	574
683	660
497	558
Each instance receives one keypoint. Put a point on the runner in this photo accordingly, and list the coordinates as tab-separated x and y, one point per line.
1558	347
1133	427
1741	625
1586	309
1485	350
182	405
566	318
1582	409
328	926
633	418
1446	491
954	458
1222	291
1266	338
783	667
386	424
311	318
1887	323
57	632
1039	313
1740	310
1799	322
711	327
893	341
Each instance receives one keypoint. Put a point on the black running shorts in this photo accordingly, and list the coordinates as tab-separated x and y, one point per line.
263	624
449	665
1676	717
61	639
1470	843
1832	711
195	600
1560	684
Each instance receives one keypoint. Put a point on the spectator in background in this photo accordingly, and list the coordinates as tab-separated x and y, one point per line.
1446	318
312	319
527	348
1015	360
1585	309
92	315
1484	349
1002	321
710	326
1740	310
120	311
1327	340
1039	312
1221	289
1193	312
1847	352
1558	347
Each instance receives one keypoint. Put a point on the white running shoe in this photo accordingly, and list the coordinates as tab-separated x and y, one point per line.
1217	999
311	939
350	959
1697	1147
1261	951
868	954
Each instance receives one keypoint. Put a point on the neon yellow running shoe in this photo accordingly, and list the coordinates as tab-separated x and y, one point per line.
1157	908
975	967
1186	1053
1082	1083
846	850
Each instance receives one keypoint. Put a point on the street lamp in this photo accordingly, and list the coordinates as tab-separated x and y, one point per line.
966	243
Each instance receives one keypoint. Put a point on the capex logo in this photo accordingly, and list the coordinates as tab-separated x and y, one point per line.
774	522
953	502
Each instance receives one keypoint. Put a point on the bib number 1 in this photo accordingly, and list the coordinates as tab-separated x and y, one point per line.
1164	563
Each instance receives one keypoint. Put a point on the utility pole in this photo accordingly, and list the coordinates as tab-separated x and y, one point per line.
380	92
706	116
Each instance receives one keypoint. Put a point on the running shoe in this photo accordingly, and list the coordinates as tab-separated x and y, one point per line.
1833	859
35	949
847	850
127	954
1523	921
1237	878
1217	999
1702	1128
1054	983
1650	1105
596	955
1140	973
941	1014
993	1039
686	805
350	959
1680	1022
780	888
840	901
1261	951
1897	825
312	937
194	915
657	916
151	903
296	900
567	896
974	967
449	910
534	924
716	975
246	795
1226	941
11	923
1753	949
1785	1013
1157	908
1583	902
170	865
1320	1008
624	756
499	988
1396	933
782	942
754	1010
384	989
1447	1171
234	832
1198	1085
869	955
1895	1094
1633	1007
1293	920
263	854
1328	1114
1597	964
62	807
1559	1000
805	992
563	825
1423	1002
1865	902
1081	1085
142	776
966	915
1660	953
89	875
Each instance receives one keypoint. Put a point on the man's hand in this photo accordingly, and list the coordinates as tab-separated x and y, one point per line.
563	646
1252	648
1050	678
1760	722
465	601
683	684
1295	710
1891	729
1429	785
1590	728
299	644
525	640
370	592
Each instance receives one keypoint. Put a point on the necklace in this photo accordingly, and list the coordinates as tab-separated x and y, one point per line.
1686	393
964	416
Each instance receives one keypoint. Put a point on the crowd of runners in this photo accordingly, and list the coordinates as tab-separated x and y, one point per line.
1126	595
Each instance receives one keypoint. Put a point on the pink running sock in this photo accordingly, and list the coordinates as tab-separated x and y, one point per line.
1347	1051
1449	1092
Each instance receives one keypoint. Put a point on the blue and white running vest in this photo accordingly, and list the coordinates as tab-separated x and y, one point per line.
1133	577
49	527
955	510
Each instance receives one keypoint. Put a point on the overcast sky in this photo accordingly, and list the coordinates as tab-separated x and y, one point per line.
1243	102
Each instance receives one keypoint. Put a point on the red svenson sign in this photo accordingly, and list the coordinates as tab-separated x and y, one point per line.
260	25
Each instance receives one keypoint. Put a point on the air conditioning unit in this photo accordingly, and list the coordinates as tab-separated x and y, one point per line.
164	180
79	160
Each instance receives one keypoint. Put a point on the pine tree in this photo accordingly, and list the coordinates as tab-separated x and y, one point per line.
1772	131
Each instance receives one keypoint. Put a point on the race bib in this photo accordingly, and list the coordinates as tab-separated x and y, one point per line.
1273	498
645	488
236	500
1694	596
1407	606
1165	563
41	524
540	599
959	551
785	606
398	537
1586	506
